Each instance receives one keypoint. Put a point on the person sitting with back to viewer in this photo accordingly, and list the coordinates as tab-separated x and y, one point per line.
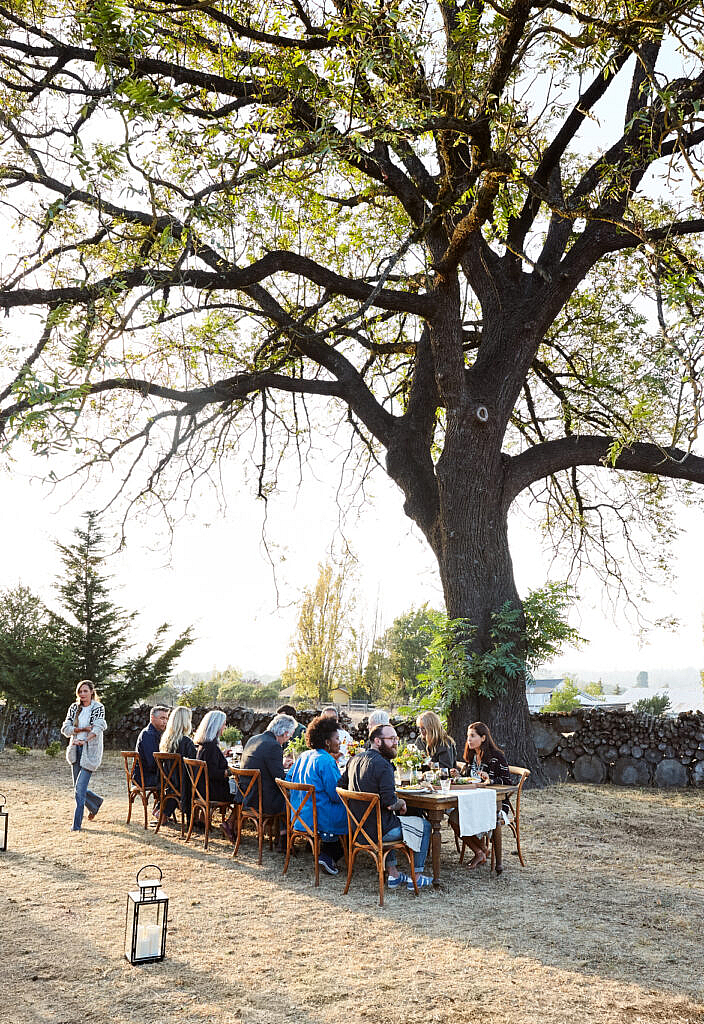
317	767
208	749
371	772
265	752
176	739
148	743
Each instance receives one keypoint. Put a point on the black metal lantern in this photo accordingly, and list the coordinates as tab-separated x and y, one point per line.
145	926
3	822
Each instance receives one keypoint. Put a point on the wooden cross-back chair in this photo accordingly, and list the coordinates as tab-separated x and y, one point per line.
249	786
170	785
360	841
514	826
293	818
200	801
135	784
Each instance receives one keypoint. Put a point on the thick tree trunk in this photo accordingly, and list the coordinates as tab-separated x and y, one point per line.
477	577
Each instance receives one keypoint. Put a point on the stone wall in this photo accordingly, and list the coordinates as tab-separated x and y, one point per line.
622	747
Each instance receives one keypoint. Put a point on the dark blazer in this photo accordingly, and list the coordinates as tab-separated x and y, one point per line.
147	746
216	767
265	753
370	772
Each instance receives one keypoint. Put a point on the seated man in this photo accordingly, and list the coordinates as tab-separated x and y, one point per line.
288	709
148	744
265	752
372	772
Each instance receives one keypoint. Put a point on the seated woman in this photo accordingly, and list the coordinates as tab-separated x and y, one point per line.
435	742
176	739
318	768
206	740
485	761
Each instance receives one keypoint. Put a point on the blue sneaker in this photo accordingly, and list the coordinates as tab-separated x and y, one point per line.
326	862
422	881
396	883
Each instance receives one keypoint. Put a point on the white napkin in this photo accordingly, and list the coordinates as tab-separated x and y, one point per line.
412	830
477	811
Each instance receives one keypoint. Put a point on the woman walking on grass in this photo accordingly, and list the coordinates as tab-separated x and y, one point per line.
84	725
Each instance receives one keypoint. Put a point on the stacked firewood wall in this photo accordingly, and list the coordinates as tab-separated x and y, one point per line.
623	747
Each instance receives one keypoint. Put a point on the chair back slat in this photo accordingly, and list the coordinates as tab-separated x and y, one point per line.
246	780
170	769
196	772
293	814
358	834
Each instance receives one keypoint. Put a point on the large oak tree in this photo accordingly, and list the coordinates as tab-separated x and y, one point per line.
468	229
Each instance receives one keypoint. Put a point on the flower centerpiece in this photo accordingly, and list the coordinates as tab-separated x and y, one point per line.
408	760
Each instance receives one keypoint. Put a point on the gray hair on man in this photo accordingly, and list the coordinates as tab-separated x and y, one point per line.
210	726
159	709
378	718
281	724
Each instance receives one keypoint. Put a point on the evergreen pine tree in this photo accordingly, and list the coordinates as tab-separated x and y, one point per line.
98	635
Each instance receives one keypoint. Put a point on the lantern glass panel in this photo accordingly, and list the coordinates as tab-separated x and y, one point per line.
3	829
145	929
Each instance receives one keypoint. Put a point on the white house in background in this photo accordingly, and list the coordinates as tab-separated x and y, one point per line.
539	692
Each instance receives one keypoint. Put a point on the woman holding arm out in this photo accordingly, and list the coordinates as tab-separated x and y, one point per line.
84	726
486	762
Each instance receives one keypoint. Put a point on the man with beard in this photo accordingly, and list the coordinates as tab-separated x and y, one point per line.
371	771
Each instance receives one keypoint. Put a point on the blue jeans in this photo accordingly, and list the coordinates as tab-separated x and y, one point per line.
84	796
418	858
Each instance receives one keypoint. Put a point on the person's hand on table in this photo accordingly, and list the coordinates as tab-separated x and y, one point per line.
288	761
485	777
453	773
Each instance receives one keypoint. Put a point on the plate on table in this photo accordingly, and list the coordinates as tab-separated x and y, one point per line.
419	790
469	782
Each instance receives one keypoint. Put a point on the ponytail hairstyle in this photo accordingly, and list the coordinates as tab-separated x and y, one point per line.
93	696
488	747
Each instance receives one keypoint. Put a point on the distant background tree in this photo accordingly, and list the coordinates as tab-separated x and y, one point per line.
565	698
594	689
32	656
320	647
658	704
401	655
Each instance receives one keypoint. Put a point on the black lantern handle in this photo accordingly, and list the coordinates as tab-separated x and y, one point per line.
3	798
149	866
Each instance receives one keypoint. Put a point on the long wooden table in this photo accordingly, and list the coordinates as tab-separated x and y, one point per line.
436	804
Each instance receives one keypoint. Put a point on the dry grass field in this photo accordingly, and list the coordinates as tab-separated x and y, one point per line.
605	922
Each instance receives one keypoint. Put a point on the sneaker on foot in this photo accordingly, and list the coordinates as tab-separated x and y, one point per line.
396	883
422	881
326	861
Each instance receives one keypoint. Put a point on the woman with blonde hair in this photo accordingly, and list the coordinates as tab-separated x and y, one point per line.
84	726
435	742
176	739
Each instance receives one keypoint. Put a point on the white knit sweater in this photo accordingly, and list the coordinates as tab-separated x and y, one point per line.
92	751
